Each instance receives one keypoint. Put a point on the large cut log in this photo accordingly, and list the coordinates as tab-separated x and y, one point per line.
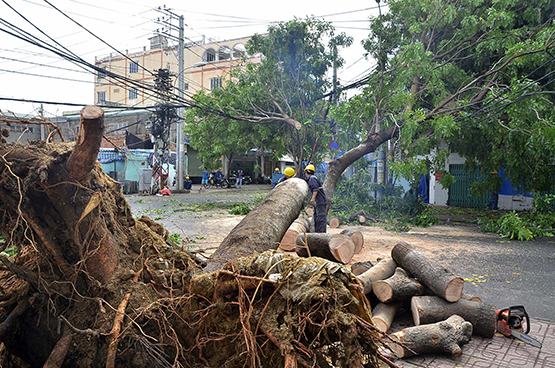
445	337
382	270
430	309
339	248
383	315
397	288
357	238
334	222
441	281
264	227
300	226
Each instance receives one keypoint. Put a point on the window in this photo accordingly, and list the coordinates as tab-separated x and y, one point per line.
101	74
134	67
210	55
133	94
101	97
215	83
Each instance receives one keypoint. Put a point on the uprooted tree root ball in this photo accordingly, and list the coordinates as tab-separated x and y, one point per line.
90	286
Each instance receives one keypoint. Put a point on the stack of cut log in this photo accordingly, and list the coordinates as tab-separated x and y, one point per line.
443	316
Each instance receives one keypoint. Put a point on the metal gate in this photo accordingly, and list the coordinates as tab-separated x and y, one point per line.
460	194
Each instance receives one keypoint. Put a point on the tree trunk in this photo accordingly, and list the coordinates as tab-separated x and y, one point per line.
357	238
300	226
264	227
445	337
397	288
338	248
430	309
383	316
441	281
381	271
339	165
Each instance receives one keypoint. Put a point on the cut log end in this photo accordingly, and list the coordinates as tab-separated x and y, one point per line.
357	238
334	222
383	315
92	112
342	248
454	289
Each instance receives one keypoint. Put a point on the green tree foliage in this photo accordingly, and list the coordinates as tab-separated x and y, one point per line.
471	76
278	99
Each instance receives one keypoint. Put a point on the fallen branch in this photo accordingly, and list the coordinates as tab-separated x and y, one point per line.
58	354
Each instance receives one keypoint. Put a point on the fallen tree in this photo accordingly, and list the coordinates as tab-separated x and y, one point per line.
90	286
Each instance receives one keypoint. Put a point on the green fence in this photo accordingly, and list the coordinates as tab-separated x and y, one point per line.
460	194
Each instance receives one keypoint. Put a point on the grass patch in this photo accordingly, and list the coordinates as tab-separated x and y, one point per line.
240	209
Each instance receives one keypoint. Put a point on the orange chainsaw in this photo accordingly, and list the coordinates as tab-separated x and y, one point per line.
514	321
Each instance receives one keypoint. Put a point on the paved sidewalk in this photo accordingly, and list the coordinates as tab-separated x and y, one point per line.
499	352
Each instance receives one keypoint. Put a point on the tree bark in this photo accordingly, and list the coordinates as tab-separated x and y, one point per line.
339	165
337	248
382	270
383	316
441	281
397	288
357	238
83	157
264	227
361	267
300	226
430	309
445	337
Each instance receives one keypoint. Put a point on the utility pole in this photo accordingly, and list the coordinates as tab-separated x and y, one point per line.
334	78
181	114
181	162
42	131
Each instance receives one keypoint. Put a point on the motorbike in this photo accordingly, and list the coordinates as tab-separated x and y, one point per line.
217	183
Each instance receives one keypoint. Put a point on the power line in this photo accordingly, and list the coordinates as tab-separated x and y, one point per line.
71	103
95	36
46	76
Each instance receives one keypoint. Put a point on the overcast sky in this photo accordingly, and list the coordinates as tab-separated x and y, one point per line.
127	24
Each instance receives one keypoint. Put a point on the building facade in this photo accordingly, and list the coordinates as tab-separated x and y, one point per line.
207	66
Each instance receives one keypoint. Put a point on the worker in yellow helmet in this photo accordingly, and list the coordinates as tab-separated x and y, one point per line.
318	199
288	173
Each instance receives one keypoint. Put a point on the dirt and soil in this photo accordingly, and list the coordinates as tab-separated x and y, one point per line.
502	272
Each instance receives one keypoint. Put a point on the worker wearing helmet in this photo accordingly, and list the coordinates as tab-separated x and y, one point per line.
288	173
318	199
187	184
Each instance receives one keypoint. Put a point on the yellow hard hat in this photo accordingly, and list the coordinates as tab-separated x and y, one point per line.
289	172
310	168
187	177
276	169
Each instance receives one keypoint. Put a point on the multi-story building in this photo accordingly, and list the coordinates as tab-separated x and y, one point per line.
207	67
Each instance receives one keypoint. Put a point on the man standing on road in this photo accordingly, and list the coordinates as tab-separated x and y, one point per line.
318	199
239	178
